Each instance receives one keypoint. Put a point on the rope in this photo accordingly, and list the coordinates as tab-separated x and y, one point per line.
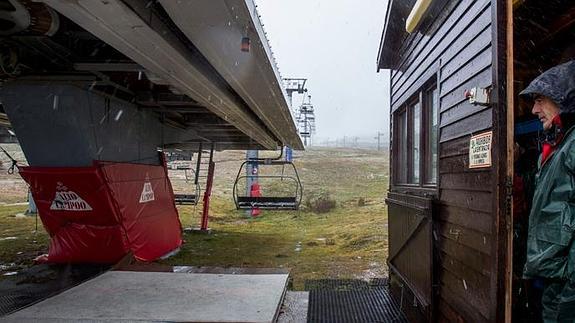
11	171
14	161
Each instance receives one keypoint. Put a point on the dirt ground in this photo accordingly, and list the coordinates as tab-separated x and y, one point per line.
348	241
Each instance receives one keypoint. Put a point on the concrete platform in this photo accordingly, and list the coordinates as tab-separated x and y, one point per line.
294	308
162	296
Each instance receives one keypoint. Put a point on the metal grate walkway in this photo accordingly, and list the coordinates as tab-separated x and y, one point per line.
348	301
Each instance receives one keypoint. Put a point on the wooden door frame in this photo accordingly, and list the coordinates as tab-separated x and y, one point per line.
510	110
503	137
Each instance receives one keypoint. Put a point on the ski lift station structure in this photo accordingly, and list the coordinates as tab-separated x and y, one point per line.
103	86
99	95
456	67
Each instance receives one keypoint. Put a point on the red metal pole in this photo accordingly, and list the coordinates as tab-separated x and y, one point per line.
207	195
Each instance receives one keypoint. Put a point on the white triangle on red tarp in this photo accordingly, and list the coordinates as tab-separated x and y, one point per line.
147	192
67	200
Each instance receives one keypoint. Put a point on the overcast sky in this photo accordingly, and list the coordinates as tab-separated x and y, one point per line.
334	44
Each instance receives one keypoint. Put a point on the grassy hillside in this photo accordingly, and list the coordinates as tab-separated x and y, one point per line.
348	241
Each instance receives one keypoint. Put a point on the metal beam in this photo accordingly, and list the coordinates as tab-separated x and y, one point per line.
216	28
220	145
157	50
108	67
219	133
166	99
179	106
63	78
210	125
183	106
4	120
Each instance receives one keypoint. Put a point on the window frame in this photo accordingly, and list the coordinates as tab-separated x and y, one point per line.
401	176
420	97
426	95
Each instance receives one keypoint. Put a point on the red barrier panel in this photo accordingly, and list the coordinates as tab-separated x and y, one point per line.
145	199
100	213
82	243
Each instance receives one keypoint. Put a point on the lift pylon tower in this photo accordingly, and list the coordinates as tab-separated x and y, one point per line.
306	120
294	85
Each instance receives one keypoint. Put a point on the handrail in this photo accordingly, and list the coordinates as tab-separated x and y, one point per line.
269	159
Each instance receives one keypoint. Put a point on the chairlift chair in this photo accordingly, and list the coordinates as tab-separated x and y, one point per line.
192	196
187	199
279	203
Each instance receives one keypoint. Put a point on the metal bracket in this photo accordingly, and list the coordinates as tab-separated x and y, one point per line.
478	96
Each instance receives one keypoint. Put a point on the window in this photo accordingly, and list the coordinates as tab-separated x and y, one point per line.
432	130
416	137
415	151
402	131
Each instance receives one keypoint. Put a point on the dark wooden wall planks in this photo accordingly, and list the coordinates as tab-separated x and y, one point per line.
458	53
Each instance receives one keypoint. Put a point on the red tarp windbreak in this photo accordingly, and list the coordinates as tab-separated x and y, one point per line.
100	213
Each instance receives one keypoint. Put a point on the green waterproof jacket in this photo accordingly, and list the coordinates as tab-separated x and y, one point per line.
550	248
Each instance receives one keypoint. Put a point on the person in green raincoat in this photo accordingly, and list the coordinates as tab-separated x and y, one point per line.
550	242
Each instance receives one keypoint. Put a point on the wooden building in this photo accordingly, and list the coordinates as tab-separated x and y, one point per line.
454	110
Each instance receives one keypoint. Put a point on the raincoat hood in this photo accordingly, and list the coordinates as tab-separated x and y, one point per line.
558	84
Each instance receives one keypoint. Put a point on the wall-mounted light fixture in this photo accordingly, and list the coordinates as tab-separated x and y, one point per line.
416	14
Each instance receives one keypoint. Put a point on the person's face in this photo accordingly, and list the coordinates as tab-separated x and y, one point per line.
545	109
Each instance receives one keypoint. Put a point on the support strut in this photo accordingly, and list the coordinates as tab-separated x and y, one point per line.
208	192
